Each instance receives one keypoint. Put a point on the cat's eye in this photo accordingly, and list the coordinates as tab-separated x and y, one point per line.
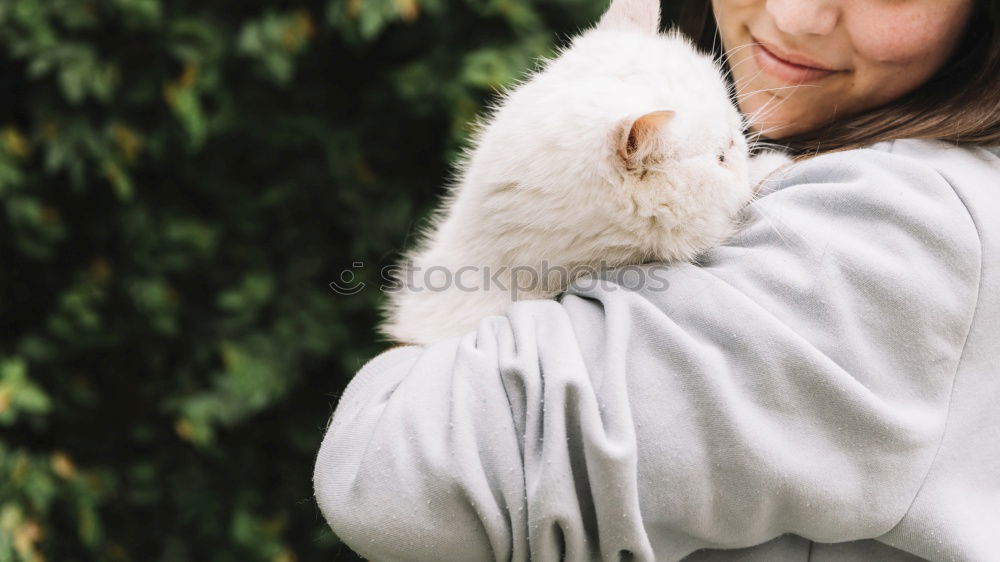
723	152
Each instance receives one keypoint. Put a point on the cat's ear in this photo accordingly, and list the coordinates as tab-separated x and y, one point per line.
635	15
641	138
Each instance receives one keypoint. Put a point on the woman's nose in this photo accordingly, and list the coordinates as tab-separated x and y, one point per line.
805	17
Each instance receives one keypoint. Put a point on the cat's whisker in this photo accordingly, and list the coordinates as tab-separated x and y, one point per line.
778	89
738	86
745	84
766	144
736	90
754	139
730	52
732	68
766	111
759	114
763	113
794	88
742	83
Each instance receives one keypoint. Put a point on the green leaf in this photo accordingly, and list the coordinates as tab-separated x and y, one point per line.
18	394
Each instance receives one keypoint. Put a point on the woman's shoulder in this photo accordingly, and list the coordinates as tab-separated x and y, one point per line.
957	163
945	155
925	154
890	175
920	202
972	172
898	175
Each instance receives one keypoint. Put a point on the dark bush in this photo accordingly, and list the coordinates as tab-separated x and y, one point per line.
180	182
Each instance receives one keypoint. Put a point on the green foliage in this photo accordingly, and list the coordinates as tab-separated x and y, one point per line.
18	394
179	183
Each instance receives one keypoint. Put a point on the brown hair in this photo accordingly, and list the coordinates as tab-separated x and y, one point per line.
960	104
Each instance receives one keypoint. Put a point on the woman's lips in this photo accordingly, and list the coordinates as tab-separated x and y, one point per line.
785	70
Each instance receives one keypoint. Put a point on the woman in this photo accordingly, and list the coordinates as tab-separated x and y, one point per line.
822	387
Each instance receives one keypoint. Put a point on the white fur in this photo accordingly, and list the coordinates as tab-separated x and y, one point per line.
552	179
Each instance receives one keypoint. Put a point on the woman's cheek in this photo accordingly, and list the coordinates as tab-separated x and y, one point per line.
911	33
733	15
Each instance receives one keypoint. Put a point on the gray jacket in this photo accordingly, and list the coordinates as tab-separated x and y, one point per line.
826	386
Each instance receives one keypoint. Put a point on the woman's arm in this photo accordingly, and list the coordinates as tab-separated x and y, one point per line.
796	381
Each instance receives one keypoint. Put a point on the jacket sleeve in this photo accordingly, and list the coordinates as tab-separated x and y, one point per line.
795	380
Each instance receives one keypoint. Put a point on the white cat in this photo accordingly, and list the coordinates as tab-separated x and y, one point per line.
625	149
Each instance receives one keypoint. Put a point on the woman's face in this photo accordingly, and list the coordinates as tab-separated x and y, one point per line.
799	63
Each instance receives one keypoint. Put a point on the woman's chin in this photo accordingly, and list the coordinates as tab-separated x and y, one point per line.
776	118
777	127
